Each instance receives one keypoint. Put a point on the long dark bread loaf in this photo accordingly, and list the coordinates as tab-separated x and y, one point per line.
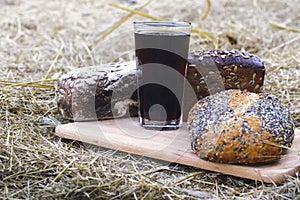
109	91
212	71
98	92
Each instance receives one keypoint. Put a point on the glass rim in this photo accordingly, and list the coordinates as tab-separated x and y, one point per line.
162	24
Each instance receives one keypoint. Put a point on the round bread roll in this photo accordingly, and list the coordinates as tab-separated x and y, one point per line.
240	127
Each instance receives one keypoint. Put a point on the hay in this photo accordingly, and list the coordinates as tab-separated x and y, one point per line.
41	40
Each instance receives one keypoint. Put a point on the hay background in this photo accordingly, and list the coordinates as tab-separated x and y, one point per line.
34	164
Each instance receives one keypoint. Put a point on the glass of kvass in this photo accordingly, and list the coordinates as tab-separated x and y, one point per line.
161	50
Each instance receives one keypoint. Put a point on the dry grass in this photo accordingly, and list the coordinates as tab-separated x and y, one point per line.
41	40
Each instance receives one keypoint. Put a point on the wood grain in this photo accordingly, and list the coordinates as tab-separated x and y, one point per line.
173	146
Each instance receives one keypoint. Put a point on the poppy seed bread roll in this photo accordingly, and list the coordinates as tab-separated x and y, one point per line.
241	127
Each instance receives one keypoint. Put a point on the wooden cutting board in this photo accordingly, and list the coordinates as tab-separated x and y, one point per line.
173	146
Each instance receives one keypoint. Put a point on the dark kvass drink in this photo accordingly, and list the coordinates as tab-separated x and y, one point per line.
161	65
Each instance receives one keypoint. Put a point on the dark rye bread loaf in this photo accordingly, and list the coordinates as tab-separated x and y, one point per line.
241	127
212	71
98	92
108	91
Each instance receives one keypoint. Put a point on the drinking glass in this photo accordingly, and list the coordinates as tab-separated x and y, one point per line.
161	50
